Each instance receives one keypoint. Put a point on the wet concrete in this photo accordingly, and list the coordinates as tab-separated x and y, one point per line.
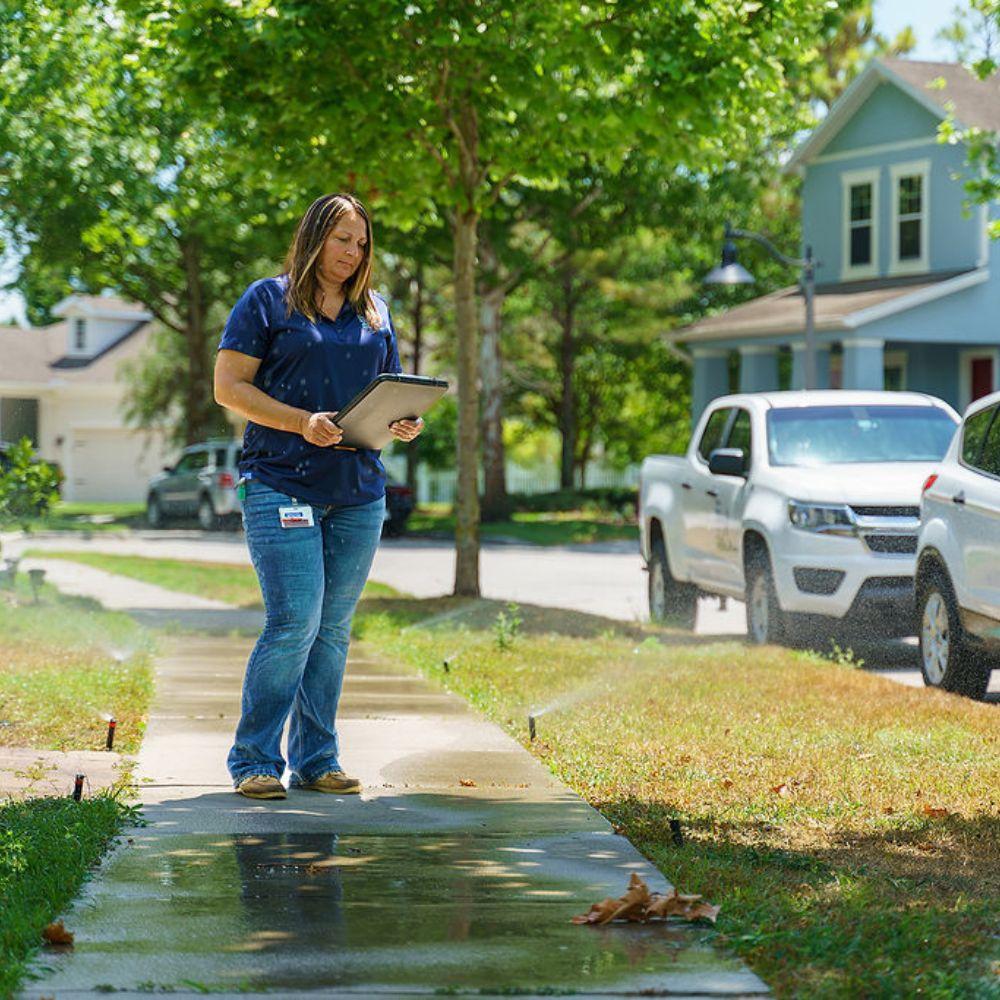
414	914
29	774
457	869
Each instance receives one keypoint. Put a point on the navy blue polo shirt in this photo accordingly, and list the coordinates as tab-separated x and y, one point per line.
312	366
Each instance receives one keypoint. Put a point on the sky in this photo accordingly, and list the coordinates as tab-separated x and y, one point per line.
926	17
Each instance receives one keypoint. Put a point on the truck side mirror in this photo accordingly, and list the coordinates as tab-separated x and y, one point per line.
727	462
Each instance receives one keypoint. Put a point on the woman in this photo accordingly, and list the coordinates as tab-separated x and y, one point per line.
295	349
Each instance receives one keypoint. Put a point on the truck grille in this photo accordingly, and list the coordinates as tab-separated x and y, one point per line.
863	511
893	544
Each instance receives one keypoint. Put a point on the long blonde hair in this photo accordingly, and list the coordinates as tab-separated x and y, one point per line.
302	259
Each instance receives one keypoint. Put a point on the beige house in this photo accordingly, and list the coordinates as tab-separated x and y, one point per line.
59	386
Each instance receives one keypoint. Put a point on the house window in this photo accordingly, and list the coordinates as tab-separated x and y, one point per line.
860	223
910	194
19	419
894	371
79	334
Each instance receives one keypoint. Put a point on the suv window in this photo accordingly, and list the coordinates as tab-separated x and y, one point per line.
740	436
989	460
192	461
711	436
974	434
220	458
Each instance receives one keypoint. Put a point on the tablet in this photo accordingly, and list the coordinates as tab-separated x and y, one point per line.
365	419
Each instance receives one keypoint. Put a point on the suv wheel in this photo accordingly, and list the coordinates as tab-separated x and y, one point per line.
154	511
766	622
208	520
947	660
670	601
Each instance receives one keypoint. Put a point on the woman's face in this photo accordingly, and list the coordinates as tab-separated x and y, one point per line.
344	248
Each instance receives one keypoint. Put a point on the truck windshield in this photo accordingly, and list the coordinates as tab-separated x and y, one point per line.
830	435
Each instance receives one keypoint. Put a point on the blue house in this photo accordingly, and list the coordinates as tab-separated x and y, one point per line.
908	284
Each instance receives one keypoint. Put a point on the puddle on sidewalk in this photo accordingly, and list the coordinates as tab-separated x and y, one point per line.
415	913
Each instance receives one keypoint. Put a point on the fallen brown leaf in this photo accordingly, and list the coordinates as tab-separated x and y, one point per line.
726	783
781	789
56	933
685	758
935	812
639	905
888	810
925	846
467	782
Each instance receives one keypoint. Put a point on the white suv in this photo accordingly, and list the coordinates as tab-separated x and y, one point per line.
958	558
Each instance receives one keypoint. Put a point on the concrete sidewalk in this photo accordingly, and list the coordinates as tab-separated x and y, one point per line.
457	870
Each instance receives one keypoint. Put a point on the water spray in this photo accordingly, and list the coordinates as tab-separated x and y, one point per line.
78	787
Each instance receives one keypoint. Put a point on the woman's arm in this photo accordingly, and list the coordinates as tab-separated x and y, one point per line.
234	389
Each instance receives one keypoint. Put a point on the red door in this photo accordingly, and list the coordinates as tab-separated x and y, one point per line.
982	377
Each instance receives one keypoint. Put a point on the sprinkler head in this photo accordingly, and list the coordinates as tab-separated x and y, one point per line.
531	728
36	578
111	734
78	787
676	832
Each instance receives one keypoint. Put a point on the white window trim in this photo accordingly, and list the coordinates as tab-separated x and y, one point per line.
900	360
965	359
921	168
848	178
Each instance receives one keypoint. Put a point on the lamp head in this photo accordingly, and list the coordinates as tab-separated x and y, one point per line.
730	271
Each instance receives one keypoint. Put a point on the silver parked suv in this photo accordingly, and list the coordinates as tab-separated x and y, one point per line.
202	484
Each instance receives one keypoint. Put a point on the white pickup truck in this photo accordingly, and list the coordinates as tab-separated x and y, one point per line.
803	504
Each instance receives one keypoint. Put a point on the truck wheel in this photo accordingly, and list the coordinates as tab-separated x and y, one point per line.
766	622
154	511
947	660
208	520
670	601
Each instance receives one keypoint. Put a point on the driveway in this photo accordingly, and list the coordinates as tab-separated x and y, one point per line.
602	579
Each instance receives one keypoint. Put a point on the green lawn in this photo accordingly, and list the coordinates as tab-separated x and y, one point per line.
66	663
539	528
48	848
66	516
848	826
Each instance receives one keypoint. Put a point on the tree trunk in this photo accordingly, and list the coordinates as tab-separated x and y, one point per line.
567	404
467	498
198	396
496	505
417	325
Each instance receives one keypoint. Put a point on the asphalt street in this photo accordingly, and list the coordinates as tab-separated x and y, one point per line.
602	579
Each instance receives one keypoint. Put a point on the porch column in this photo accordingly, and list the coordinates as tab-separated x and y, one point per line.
710	378
864	364
799	366
758	368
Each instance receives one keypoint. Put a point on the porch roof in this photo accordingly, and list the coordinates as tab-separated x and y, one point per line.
838	307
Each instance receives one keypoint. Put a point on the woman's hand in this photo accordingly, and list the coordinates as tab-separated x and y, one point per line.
319	429
406	430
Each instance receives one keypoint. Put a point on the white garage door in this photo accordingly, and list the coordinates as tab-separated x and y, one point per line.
111	465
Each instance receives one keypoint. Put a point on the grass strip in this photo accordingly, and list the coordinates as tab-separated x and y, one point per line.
847	825
66	664
48	848
232	583
569	527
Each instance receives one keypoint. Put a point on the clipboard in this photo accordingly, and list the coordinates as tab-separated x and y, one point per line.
365	419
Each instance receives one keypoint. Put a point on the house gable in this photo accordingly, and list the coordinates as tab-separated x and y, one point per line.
94	324
886	116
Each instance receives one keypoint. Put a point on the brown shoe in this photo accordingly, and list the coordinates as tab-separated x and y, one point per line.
334	781
261	786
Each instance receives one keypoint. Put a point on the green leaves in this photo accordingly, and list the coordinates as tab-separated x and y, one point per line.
28	486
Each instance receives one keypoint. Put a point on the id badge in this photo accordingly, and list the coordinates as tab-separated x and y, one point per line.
296	517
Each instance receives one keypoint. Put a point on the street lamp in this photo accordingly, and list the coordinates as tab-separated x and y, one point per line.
731	272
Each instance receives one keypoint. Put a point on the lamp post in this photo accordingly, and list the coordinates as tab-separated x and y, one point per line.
731	272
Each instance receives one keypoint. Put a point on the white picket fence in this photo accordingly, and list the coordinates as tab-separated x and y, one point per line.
438	486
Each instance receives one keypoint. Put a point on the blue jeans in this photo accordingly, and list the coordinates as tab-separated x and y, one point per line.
311	579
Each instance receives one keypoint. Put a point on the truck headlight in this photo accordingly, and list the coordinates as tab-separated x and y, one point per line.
827	518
